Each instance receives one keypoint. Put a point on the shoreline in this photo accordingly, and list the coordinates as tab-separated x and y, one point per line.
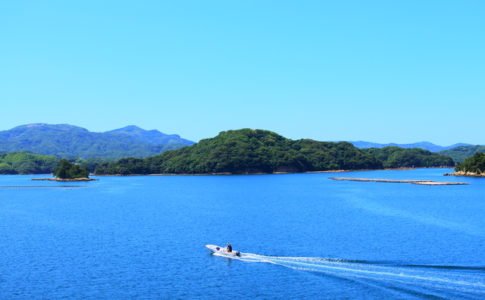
465	174
228	173
39	186
274	173
64	180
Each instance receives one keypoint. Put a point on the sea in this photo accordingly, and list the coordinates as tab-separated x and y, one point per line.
302	236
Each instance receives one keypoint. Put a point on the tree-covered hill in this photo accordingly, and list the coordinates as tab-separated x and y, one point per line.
474	164
395	157
27	163
67	141
459	154
260	151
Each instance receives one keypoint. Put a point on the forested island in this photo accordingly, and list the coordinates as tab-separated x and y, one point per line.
67	171
472	166
248	151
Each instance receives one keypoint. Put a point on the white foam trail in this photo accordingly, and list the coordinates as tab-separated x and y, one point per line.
457	280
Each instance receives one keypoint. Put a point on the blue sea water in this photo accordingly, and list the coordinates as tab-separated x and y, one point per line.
306	237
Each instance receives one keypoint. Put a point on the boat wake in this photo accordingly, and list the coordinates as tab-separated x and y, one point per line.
462	280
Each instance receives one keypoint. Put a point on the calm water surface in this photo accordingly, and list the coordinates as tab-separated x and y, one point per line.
309	237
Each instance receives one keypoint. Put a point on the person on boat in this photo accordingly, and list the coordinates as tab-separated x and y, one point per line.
229	248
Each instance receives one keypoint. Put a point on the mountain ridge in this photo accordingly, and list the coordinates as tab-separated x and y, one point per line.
152	136
423	145
461	153
70	141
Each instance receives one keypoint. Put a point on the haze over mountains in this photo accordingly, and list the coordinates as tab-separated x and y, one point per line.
423	145
150	136
458	152
68	141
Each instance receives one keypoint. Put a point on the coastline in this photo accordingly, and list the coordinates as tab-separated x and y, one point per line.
465	174
64	180
274	173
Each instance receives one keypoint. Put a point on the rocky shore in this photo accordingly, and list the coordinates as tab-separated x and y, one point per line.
64	180
465	174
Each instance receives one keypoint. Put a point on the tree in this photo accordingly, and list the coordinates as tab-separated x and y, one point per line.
474	164
68	170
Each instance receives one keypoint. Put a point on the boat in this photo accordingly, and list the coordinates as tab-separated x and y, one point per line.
223	251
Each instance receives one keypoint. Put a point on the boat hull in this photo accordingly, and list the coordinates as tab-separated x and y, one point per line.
222	251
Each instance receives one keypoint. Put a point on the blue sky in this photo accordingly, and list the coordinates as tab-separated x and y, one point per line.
382	71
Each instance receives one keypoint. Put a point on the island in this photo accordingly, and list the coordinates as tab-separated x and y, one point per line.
255	151
473	166
67	171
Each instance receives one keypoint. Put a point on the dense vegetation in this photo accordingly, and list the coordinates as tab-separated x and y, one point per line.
68	170
248	151
459	154
474	164
91	163
27	163
395	157
236	152
71	142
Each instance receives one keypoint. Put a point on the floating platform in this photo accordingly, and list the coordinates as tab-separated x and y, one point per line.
421	182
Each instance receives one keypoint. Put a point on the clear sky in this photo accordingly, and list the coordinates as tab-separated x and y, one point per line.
382	71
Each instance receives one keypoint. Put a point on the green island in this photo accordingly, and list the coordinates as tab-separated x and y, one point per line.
67	171
248	151
473	166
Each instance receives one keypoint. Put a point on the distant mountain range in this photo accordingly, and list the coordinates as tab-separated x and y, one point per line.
68	141
423	145
459	154
150	136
